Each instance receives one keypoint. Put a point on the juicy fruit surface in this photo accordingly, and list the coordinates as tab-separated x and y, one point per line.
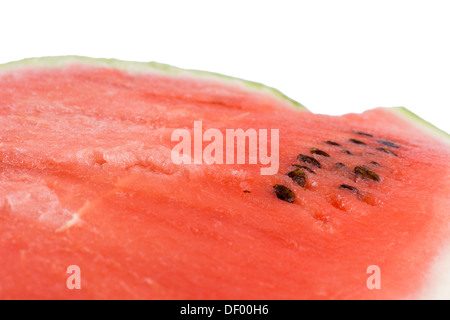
86	178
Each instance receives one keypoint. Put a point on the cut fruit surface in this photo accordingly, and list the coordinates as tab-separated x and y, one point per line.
87	179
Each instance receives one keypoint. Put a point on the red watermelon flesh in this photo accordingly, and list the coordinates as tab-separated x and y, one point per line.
86	179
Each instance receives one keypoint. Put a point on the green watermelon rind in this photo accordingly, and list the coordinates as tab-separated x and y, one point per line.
143	67
420	123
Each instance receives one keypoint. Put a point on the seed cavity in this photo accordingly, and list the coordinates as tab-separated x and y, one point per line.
367	154
387	151
99	157
345	171
284	193
340	165
308	159
366	173
298	176
347	152
357	141
363	134
332	143
319	152
388	143
368	198
304	167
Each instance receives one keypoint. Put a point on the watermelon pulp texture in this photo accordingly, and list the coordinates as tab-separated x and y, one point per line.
86	179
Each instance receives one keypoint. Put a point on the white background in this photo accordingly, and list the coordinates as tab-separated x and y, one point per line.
332	56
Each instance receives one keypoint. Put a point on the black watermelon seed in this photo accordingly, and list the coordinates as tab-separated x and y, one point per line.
332	143
347	152
388	143
375	163
298	176
308	159
366	173
363	134
356	141
247	191
319	152
387	151
346	186
304	167
284	193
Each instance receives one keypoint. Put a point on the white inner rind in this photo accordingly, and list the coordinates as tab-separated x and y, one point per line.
438	287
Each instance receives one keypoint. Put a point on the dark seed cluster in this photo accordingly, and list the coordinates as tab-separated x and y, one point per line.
299	175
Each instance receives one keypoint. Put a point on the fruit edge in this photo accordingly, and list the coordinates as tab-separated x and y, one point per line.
145	67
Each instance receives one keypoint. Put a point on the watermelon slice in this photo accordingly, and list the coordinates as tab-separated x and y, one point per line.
93	205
